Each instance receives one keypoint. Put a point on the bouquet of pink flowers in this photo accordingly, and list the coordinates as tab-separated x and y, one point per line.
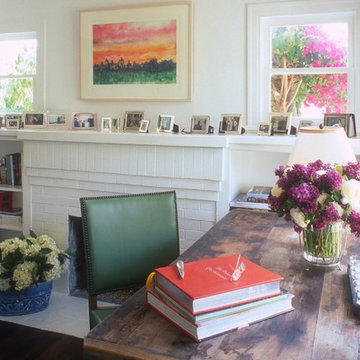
317	195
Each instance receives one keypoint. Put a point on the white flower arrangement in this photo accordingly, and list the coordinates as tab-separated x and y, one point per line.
29	261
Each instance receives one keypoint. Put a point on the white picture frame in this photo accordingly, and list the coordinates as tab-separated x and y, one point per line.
165	123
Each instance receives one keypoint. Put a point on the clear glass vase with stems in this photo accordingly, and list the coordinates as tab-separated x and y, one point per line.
324	247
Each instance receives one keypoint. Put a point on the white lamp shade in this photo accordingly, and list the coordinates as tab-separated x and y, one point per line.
329	144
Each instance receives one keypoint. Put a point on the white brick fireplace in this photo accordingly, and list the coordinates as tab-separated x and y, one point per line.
62	166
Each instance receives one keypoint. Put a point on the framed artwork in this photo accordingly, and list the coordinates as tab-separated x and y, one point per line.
106	124
144	126
264	129
132	120
165	123
137	53
280	122
305	123
345	120
34	119
231	123
200	124
83	121
115	125
13	121
56	119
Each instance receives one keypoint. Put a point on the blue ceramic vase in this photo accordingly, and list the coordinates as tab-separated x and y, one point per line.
33	299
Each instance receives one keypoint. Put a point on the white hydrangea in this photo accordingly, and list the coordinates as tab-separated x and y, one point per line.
298	217
350	192
11	245
276	191
24	271
24	275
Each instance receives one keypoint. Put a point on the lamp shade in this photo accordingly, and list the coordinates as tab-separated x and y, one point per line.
329	144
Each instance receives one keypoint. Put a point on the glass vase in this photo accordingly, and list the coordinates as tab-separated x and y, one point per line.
323	247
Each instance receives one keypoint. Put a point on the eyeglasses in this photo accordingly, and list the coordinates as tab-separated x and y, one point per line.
239	269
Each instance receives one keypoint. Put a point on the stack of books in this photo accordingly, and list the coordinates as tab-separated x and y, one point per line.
254	198
217	295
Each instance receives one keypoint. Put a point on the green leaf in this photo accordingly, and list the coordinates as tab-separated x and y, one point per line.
32	234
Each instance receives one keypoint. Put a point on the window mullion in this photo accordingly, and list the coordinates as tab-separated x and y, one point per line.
310	71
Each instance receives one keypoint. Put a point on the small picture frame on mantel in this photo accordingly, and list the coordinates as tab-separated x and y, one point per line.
264	129
84	121
34	119
165	123
144	126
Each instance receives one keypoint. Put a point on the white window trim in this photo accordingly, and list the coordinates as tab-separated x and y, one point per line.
257	16
17	30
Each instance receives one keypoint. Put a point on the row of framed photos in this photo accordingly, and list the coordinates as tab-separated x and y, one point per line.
280	123
134	121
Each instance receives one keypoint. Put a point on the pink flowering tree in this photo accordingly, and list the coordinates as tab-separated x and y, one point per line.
295	47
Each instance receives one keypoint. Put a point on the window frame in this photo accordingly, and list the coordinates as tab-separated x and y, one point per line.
261	17
25	31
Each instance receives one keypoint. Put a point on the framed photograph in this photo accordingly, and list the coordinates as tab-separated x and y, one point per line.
56	119
305	123
144	126
83	121
165	123
137	53
264	129
106	124
132	120
231	123
200	124
34	119
115	125
280	122
346	120
13	121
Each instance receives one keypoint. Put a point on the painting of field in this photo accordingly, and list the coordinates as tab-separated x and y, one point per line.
141	52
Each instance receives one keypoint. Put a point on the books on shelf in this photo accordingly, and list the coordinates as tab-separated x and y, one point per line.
208	284
11	169
215	324
241	202
258	194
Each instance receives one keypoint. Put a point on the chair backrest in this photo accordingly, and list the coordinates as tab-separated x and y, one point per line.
126	237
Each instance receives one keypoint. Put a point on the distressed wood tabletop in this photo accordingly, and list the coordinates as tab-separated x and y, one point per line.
322	326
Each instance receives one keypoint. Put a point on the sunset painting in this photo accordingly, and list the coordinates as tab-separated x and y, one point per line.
134	53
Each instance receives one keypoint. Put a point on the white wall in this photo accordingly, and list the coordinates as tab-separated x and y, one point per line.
218	58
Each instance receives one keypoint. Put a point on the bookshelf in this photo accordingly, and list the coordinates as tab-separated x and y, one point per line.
9	145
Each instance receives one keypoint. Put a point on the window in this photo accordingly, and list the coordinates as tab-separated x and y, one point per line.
18	64
301	63
308	74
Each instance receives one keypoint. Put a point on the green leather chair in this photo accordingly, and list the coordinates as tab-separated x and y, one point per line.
125	238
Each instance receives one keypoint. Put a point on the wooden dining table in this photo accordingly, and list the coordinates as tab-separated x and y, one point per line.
322	326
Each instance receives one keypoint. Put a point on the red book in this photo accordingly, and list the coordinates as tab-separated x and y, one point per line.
209	285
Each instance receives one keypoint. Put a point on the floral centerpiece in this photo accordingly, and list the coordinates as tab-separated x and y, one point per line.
319	199
30	261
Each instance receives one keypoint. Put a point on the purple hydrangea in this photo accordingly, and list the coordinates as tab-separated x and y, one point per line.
354	222
303	186
329	181
327	215
352	170
306	196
